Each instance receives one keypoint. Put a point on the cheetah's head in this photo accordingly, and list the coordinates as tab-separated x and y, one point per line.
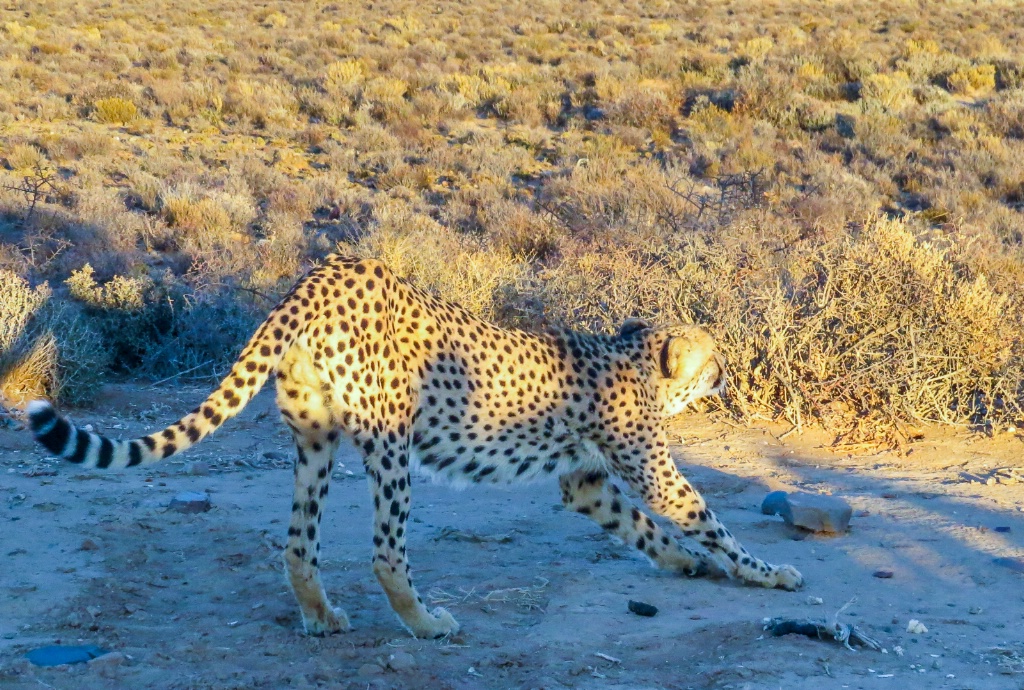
688	366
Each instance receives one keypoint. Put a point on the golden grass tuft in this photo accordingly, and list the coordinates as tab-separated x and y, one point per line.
115	111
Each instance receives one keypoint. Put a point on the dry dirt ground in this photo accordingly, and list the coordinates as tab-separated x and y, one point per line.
200	601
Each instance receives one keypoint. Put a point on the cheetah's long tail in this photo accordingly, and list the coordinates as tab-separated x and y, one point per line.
258	360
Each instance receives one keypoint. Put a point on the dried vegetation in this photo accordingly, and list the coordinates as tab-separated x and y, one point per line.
837	193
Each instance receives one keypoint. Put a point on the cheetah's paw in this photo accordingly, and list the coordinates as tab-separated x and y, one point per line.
785	577
334	621
694	564
436	624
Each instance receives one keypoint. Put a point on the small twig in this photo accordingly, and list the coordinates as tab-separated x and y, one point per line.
255	292
784	434
180	373
36	186
607	657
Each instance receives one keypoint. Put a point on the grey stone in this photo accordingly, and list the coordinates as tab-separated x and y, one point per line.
369	670
198	468
190	502
775	503
400	661
815	512
111	659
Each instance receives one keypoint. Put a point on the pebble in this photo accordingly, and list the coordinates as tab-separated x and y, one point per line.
916	627
400	661
111	659
89	545
190	502
368	670
642	609
883	574
198	469
816	512
1002	529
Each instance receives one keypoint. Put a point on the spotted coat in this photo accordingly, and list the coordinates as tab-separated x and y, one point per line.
414	381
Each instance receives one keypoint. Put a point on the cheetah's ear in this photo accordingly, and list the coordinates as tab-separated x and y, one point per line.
631	326
674	355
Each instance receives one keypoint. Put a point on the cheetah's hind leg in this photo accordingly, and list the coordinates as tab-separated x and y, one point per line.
302	554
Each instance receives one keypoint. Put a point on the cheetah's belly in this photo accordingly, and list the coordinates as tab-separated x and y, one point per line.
453	457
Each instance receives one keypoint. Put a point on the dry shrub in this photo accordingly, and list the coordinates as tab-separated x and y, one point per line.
878	324
46	348
643	106
452	266
115	111
280	253
18	304
207	222
262	103
28	366
385	98
23	157
973	81
32	374
875	325
514	227
595	288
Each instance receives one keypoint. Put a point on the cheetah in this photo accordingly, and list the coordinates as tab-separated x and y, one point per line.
413	381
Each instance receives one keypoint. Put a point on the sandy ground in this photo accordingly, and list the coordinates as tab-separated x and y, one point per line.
200	601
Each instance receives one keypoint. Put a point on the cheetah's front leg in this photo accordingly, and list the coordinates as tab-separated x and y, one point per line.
652	472
591	494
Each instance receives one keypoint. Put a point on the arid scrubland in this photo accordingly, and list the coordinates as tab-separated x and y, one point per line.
836	190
